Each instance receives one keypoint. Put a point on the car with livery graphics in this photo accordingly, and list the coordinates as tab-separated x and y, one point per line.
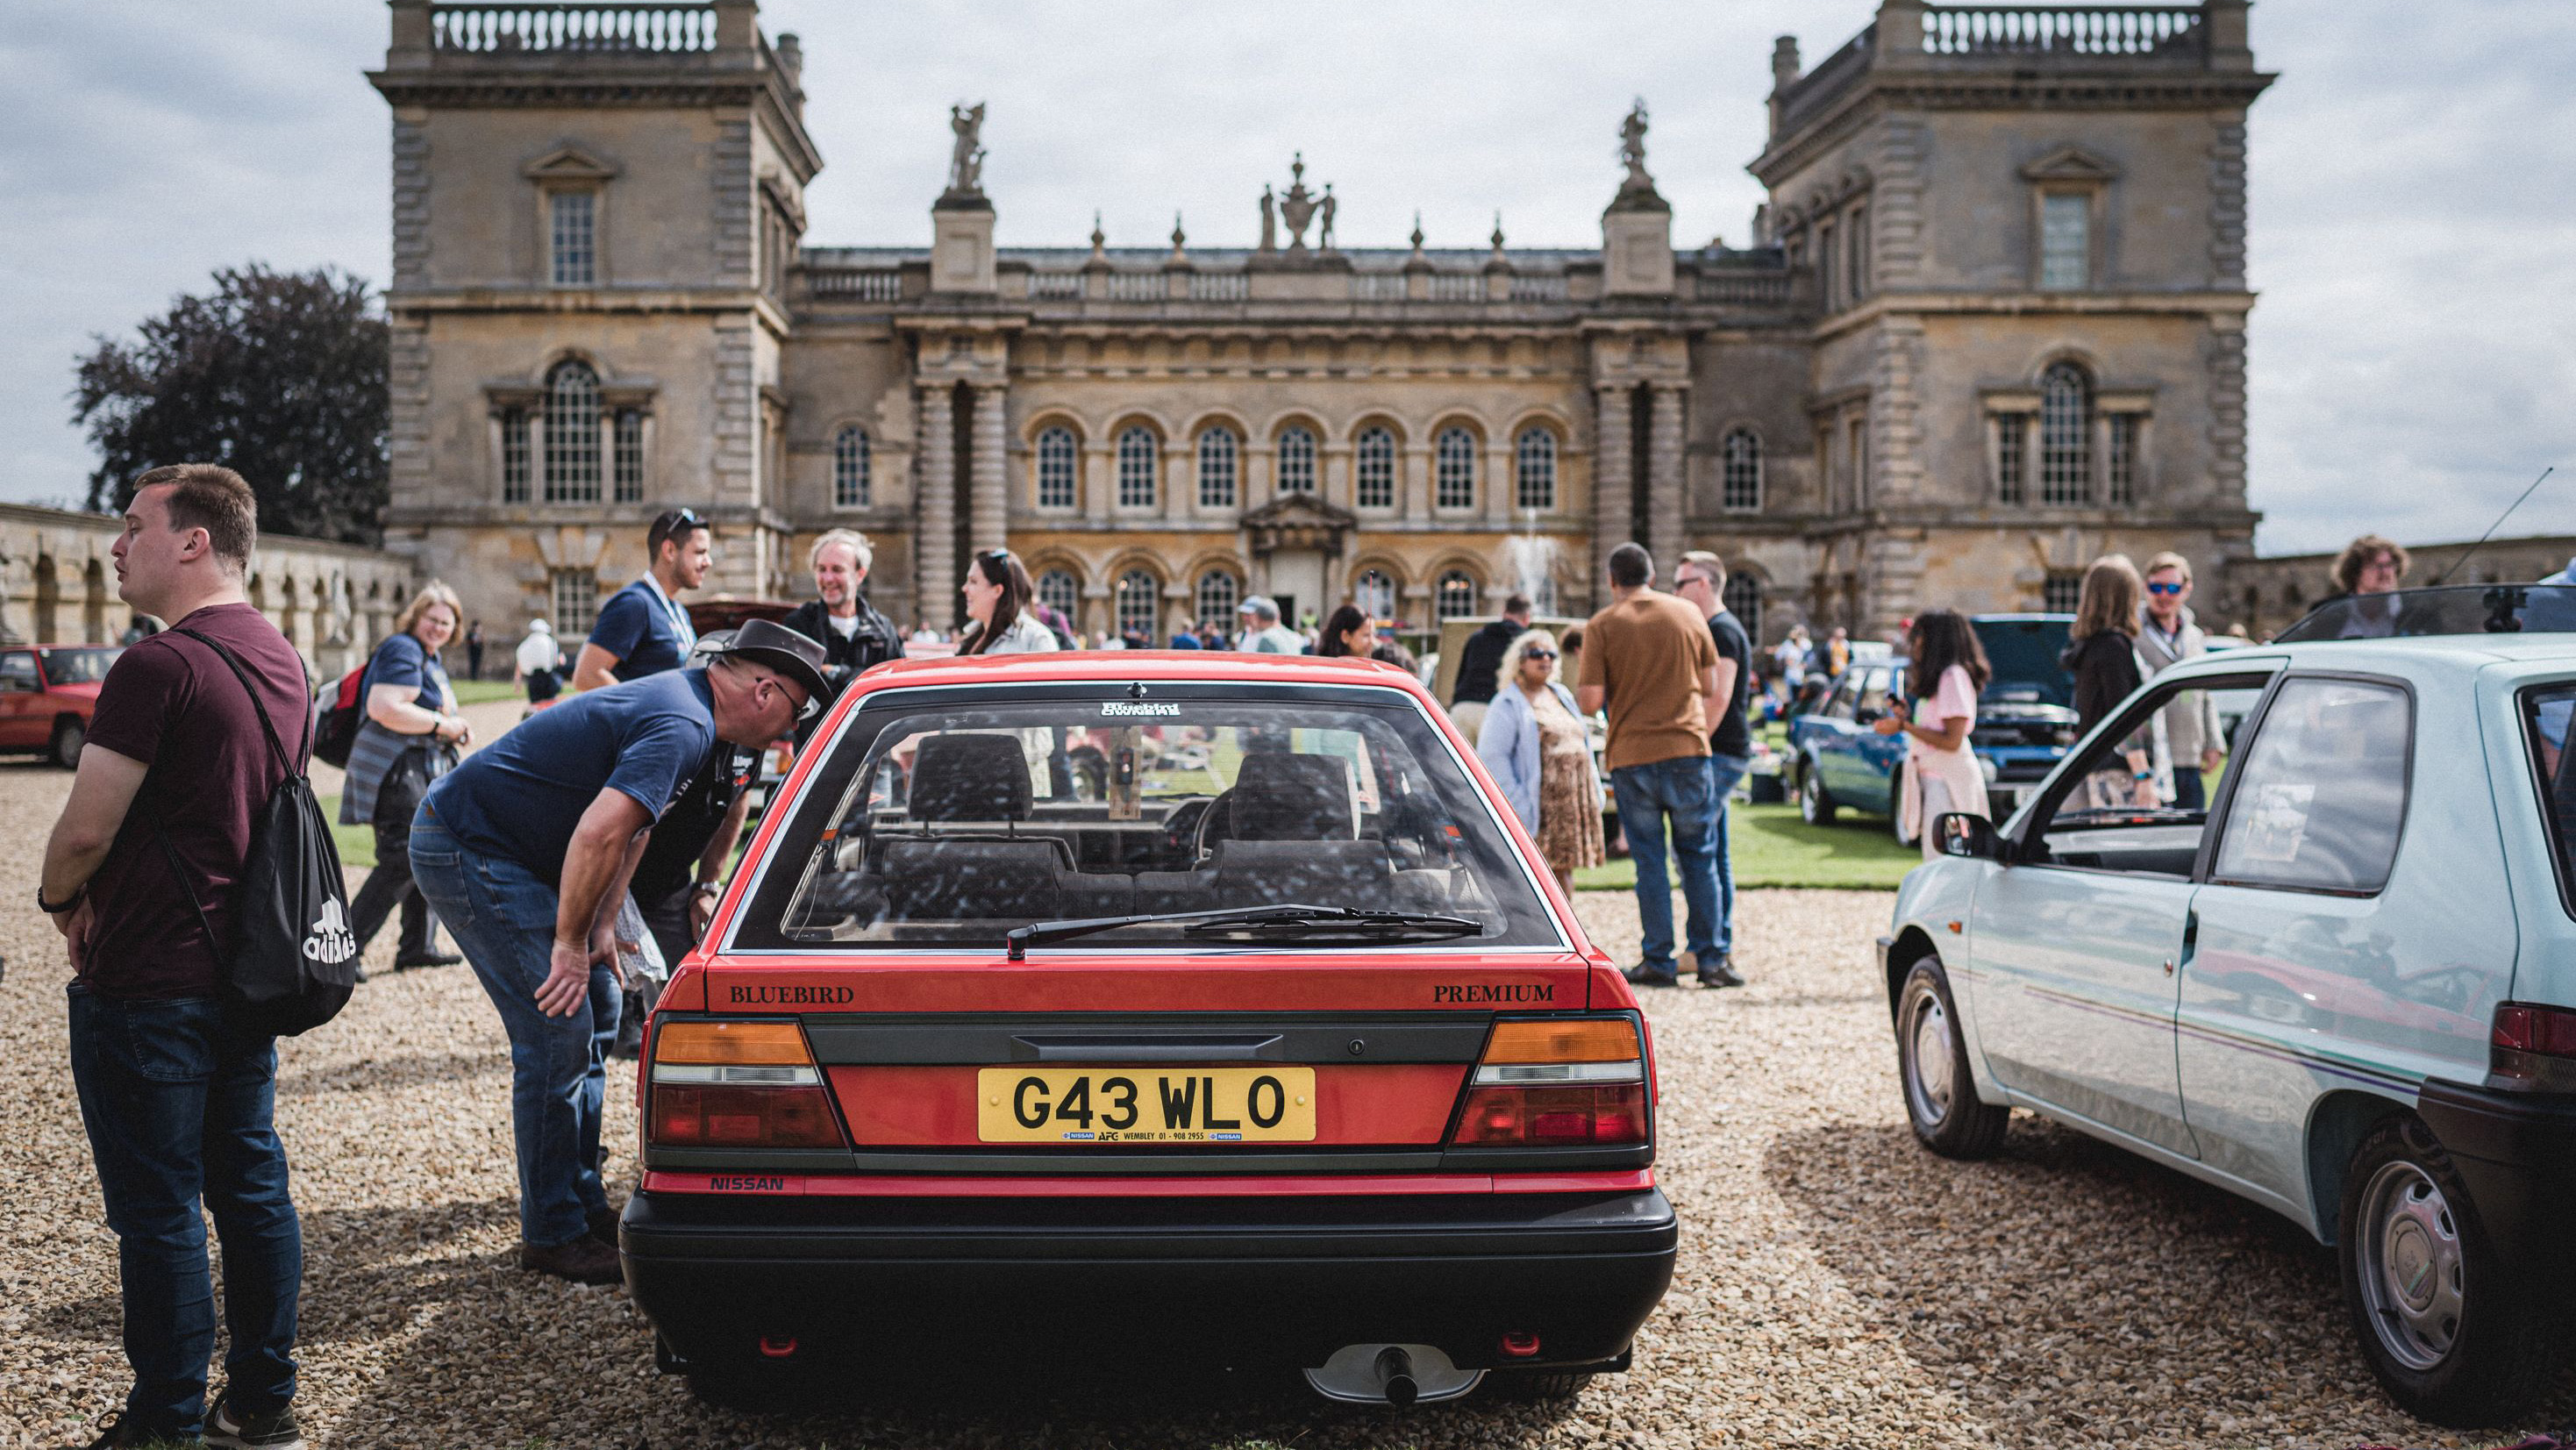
2346	991
2025	721
1268	1041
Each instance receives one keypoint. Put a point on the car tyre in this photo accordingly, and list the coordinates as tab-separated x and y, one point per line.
69	736
1941	1100
1815	807
2456	1335
1536	1384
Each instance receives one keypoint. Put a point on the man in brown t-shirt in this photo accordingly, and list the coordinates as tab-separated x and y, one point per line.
177	1102
1648	657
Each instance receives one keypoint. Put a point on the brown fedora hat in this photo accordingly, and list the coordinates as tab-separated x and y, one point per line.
792	655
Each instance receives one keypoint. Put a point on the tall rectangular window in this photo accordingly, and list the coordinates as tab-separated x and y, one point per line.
2120	470
1297	461
514	455
1056	458
629	465
1218	457
2012	453
1375	485
1859	271
576	249
1860	462
1827	264
2062	591
1138	457
575	596
2065	241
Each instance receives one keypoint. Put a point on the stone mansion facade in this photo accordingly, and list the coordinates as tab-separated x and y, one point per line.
1990	324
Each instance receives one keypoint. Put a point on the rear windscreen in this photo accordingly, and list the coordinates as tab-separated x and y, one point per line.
2546	713
948	817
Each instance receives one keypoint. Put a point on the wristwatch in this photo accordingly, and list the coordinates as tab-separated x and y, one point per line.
52	909
714	886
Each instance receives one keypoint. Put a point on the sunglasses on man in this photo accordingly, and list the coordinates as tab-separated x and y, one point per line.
2166	588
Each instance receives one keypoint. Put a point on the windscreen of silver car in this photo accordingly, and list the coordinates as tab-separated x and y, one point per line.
960	826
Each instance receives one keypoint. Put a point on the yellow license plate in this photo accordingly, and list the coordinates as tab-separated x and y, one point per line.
1145	1105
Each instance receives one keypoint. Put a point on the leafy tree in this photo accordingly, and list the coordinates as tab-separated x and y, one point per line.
279	376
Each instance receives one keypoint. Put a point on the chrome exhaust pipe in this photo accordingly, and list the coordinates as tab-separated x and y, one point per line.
1395	1376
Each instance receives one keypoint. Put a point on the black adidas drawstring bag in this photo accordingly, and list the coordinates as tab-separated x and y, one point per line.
294	960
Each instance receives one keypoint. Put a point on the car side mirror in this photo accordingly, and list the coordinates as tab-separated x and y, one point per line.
1866	716
1959	833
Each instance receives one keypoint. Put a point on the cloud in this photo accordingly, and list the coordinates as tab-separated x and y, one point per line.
2412	234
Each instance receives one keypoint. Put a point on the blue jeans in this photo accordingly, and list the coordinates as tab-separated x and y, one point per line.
503	919
1679	788
2188	787
1724	772
179	1109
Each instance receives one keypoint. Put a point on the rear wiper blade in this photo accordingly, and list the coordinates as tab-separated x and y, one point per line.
1254	923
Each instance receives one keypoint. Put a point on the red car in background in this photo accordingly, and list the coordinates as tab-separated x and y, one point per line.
47	693
1266	1042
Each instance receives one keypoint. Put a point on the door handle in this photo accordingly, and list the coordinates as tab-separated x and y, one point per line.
2190	938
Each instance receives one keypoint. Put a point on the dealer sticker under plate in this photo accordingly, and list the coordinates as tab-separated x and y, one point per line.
1145	1105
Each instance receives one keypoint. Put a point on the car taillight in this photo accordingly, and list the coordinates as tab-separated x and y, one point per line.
738	1085
1557	1082
2534	1045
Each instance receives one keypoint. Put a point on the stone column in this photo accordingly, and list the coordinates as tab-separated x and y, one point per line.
988	515
1612	477
934	561
1666	535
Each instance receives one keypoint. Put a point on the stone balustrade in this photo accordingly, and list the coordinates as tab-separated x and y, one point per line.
502	28
2028	30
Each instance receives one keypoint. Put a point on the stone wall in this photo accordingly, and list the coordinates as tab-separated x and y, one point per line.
58	586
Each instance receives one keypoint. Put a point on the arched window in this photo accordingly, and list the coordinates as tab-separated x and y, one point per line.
1059	590
1454	469
1296	461
1374	591
2065	435
1218	460
1744	601
1139	603
572	433
1456	597
1056	459
1739	456
850	459
1376	482
1218	593
1535	457
1136	459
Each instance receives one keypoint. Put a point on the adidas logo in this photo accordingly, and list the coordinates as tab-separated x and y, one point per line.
330	940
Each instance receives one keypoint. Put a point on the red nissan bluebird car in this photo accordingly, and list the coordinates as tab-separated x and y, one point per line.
1270	1044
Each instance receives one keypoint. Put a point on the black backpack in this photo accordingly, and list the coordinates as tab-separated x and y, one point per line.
294	960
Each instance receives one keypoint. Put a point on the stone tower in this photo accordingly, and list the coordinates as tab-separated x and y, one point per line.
596	210
2025	228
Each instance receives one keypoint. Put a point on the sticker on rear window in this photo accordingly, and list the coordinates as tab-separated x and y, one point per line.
1132	707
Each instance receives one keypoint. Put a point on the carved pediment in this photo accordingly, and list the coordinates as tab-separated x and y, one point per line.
1299	521
2070	163
567	163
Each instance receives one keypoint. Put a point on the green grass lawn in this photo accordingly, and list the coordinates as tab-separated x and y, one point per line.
1772	847
357	843
484	692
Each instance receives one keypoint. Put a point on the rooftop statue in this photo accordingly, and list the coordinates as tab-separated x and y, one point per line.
966	158
1324	220
1632	150
1269	220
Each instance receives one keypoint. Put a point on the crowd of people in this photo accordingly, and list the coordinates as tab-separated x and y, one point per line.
579	854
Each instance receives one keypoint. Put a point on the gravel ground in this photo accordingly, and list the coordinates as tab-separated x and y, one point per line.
1838	1286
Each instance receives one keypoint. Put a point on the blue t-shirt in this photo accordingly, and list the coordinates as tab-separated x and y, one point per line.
520	797
403	660
647	633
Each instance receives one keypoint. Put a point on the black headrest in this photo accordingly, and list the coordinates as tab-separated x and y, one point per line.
1294	798
970	778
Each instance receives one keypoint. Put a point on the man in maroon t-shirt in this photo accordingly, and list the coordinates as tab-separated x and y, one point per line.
177	1103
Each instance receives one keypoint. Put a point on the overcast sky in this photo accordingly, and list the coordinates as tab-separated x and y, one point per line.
2414	180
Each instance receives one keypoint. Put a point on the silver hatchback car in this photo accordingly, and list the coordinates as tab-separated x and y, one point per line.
2347	991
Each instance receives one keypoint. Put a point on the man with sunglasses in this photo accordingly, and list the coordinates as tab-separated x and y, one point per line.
643	629
526	849
2167	637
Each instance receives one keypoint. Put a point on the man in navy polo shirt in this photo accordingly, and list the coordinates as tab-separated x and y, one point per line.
643	629
525	851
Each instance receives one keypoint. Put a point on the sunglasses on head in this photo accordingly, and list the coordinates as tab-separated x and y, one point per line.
2165	588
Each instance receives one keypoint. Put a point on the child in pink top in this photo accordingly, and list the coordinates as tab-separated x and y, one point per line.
1940	772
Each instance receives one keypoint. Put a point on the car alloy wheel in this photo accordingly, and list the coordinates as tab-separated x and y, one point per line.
2413	1270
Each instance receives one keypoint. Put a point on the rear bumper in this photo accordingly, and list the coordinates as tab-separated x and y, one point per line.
2517	1153
1273	1280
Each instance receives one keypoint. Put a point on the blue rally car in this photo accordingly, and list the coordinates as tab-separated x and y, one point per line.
2025	721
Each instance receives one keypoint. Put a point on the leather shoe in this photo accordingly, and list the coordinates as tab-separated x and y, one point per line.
1645	976
585	1260
1720	972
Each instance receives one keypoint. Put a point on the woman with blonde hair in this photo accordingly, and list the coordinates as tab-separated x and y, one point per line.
1535	745
408	738
2102	654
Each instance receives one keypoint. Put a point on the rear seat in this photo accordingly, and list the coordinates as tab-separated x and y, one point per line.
1289	832
974	791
